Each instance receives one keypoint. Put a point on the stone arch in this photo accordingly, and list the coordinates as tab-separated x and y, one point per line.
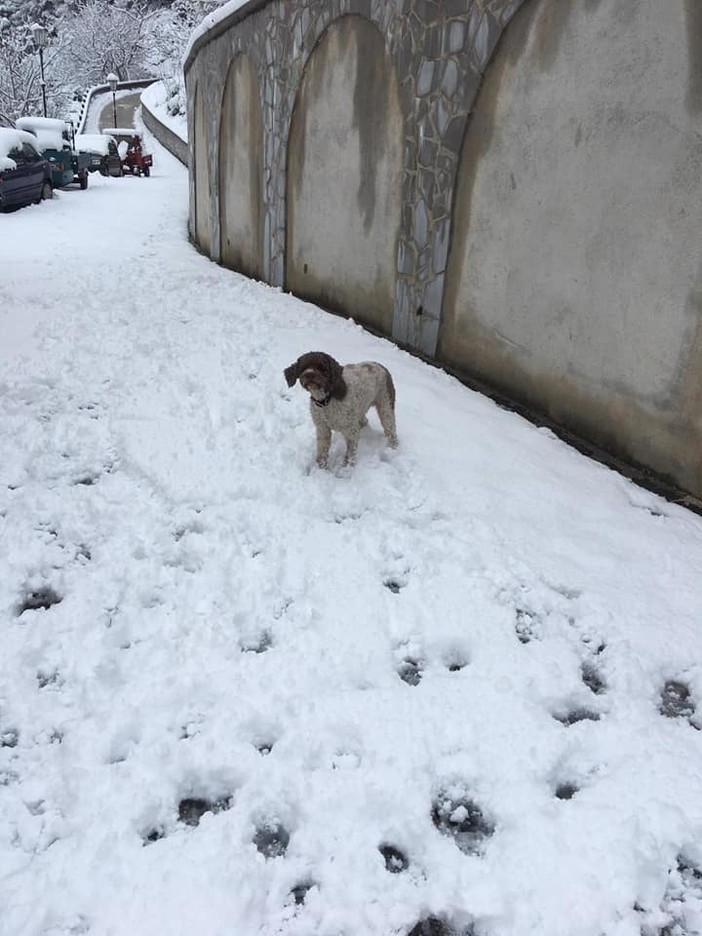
240	151
574	269
201	159
344	175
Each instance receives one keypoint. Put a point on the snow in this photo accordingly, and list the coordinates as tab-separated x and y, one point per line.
32	124
154	97
94	143
212	19
228	623
47	133
119	131
11	139
99	101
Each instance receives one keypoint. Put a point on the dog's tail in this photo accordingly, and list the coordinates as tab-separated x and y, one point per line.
390	385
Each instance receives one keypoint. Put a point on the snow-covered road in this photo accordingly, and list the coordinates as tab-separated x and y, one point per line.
459	684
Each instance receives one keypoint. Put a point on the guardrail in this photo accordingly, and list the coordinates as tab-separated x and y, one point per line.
102	89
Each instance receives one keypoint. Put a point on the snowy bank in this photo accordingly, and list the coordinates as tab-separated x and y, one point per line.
461	682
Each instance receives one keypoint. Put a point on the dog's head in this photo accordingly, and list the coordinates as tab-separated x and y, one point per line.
319	374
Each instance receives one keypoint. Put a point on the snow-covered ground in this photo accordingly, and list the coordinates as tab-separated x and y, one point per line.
459	684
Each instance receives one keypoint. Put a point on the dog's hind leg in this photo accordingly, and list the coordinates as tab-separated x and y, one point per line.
386	414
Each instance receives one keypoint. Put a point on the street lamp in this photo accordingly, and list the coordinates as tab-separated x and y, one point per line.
40	37
112	80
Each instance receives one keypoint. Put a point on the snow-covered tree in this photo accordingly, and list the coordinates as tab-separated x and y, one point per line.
88	40
106	37
20	75
171	31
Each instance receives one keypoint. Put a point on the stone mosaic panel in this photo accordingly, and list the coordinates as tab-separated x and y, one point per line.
440	49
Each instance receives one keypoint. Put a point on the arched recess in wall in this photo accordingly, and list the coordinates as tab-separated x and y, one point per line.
203	218
241	171
344	169
574	281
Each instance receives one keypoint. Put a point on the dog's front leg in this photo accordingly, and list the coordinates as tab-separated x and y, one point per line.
351	447
324	438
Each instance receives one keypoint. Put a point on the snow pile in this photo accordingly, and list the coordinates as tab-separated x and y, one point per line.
457	689
12	139
32	124
48	133
156	99
94	143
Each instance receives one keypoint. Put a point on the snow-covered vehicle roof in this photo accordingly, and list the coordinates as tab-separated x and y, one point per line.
41	123
121	131
94	143
9	140
48	131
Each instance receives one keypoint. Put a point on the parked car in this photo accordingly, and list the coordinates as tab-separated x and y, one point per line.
103	153
54	140
134	159
25	176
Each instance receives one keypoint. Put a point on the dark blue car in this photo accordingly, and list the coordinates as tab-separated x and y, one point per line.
25	176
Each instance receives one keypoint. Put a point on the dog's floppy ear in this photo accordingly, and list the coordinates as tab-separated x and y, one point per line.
338	384
292	373
325	364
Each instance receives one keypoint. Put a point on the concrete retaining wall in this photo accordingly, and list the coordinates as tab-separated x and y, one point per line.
165	136
515	196
575	278
345	175
241	172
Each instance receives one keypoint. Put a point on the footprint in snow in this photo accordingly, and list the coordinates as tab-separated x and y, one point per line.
592	678
677	702
38	599
192	809
461	818
395	860
527	626
9	738
299	892
566	791
271	839
679	906
259	643
49	680
394	585
410	671
573	716
439	926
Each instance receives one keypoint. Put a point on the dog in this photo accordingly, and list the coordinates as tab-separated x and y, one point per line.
340	397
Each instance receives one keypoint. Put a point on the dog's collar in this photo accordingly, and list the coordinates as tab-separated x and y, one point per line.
323	402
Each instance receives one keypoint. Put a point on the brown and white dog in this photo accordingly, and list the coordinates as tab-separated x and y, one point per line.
340	397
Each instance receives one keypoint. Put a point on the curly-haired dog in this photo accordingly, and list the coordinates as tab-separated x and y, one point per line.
340	397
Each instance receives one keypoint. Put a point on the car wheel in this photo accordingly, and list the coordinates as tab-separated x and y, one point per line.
47	191
147	171
84	180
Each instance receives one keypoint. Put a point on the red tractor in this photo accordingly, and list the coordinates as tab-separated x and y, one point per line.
134	159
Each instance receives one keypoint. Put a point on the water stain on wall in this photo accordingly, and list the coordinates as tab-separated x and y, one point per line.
372	85
693	98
